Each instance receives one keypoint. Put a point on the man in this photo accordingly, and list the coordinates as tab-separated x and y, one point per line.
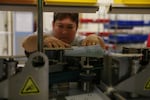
63	35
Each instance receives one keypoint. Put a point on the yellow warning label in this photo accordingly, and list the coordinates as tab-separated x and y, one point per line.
147	85
29	87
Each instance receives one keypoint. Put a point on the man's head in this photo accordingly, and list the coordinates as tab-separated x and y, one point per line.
65	26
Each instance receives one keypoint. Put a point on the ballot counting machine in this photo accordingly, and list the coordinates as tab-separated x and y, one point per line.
56	74
77	73
127	73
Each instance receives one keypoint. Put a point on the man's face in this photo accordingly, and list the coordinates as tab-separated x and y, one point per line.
65	30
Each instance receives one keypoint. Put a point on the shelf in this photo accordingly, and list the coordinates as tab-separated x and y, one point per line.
99	34
94	20
17	7
129	9
48	8
80	9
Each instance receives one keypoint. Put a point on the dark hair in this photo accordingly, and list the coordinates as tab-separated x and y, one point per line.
73	16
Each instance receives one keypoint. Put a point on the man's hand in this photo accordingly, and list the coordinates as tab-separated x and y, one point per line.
52	42
30	43
93	39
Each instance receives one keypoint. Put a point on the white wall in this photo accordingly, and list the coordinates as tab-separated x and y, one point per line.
47	21
3	33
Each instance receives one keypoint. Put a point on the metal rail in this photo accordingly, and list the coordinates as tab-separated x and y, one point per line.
40	26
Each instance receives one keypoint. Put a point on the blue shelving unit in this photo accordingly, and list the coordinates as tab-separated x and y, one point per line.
128	38
125	24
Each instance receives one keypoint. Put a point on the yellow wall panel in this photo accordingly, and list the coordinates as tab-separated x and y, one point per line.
118	2
132	2
136	1
71	2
